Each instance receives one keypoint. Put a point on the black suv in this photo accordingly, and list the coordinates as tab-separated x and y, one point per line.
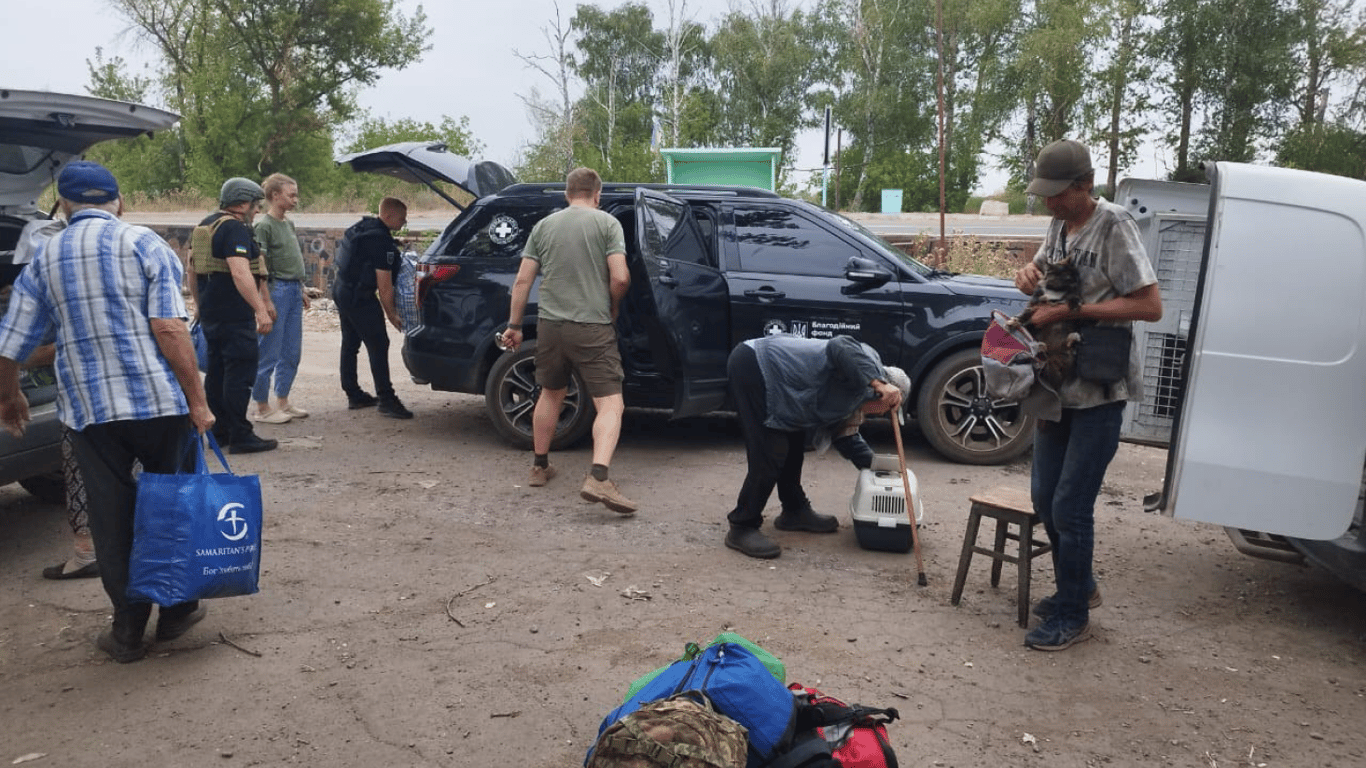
710	267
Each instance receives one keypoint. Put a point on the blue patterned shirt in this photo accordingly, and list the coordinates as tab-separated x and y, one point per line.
93	289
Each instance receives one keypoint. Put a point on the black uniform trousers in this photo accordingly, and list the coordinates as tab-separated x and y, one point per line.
774	456
105	454
362	322
233	353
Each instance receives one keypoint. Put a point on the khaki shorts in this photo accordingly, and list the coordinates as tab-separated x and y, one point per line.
589	348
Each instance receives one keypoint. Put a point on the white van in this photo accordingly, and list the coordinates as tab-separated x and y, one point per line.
1256	376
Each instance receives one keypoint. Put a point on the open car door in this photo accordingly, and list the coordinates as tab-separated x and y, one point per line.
1271	433
425	162
41	131
690	329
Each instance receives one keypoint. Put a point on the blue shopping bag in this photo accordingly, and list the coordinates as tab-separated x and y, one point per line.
201	345
196	535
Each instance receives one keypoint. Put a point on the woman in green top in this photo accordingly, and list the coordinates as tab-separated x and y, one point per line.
282	348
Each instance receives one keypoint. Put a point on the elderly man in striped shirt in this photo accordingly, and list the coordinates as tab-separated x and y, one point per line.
109	295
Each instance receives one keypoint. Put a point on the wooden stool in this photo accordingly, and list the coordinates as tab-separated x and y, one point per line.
1007	506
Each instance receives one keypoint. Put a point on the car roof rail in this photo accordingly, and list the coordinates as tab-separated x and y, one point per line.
625	188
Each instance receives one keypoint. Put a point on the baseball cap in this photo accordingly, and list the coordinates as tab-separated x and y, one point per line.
87	182
1059	164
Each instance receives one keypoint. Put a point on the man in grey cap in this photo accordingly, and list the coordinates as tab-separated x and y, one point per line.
1071	455
233	309
128	386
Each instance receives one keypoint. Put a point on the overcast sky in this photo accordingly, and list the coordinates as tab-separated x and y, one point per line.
471	69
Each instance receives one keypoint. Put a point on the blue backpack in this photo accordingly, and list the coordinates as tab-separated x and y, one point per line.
739	686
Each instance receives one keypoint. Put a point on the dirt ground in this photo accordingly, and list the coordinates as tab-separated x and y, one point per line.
421	606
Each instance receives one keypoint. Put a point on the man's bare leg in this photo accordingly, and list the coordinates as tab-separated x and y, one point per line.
546	416
607	427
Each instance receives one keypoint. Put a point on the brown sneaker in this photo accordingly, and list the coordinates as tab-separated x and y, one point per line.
541	475
607	492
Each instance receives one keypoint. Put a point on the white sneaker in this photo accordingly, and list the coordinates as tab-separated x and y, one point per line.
273	417
294	412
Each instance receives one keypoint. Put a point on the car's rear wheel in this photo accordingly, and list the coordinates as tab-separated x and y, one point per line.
963	422
510	395
50	488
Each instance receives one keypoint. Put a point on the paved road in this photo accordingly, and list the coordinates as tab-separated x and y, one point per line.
1002	227
885	224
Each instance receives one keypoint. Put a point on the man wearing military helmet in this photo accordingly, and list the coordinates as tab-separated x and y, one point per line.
232	308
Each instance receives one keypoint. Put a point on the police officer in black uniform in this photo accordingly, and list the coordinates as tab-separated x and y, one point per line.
233	310
367	261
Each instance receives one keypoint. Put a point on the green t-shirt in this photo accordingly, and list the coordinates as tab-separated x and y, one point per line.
571	246
280	244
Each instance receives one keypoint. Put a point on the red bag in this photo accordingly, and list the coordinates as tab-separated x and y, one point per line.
856	735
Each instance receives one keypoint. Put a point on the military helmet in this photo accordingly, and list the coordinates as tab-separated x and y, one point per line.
239	190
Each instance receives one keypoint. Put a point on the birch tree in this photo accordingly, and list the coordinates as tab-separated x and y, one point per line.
551	157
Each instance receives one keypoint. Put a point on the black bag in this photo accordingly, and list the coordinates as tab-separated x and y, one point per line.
1103	353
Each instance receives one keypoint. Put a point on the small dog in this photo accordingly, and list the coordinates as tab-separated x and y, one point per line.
1061	284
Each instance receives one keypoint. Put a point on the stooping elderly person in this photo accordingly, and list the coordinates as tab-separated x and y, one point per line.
785	389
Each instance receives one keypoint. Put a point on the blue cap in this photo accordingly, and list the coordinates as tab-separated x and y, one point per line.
87	182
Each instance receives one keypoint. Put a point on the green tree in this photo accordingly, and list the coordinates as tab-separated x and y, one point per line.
762	64
684	64
1183	43
883	86
619	56
1329	48
150	165
980	42
370	132
261	86
1121	104
1054	55
551	156
1326	148
1250	78
1329	52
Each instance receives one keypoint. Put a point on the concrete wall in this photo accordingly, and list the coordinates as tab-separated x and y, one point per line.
319	247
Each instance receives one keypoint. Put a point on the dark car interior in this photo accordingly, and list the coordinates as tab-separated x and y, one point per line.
10	228
634	326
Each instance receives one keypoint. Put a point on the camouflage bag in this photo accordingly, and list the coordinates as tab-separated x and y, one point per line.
677	732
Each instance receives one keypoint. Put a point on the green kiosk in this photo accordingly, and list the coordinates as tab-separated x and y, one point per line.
750	167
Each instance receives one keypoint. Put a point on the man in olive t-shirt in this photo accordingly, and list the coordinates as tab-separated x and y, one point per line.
580	252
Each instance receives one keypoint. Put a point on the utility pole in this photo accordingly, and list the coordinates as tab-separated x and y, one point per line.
825	160
943	254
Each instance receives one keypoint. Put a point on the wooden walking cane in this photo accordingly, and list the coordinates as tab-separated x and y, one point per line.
910	500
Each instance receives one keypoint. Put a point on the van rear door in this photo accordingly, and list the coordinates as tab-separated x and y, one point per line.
1271	432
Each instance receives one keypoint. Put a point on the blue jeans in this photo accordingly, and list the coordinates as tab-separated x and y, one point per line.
282	348
1070	459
